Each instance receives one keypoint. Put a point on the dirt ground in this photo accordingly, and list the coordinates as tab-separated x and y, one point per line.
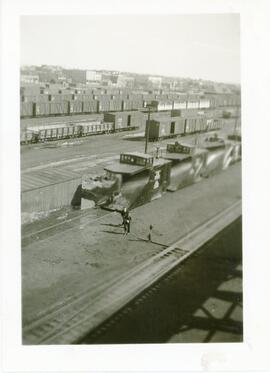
65	262
214	312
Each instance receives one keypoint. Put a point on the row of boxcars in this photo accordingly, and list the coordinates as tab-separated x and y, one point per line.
159	128
113	122
33	94
39	109
69	104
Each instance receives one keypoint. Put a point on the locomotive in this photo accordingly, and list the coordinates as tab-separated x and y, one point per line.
138	178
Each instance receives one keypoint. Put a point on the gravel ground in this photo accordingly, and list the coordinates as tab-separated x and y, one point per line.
200	301
60	265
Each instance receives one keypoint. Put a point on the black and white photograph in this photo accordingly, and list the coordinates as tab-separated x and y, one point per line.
134	186
131	179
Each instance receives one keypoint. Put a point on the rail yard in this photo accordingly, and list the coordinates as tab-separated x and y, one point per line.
172	161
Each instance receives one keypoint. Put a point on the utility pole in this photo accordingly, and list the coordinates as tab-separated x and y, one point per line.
147	128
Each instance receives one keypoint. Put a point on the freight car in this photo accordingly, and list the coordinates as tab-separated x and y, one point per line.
173	126
113	122
165	105
64	131
138	178
128	120
67	103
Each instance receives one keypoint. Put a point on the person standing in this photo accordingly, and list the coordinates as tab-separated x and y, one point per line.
127	222
124	214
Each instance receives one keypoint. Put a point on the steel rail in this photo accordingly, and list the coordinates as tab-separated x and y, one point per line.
51	227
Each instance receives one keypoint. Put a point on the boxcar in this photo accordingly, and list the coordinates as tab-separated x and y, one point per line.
160	129
75	107
59	108
115	105
90	106
26	109
124	120
179	105
103	105
204	104
190	126
127	104
42	109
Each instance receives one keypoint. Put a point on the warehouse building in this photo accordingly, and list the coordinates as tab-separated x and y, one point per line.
93	76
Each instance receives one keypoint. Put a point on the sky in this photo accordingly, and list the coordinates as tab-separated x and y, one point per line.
205	46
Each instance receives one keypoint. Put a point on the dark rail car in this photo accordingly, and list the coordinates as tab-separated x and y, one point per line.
138	178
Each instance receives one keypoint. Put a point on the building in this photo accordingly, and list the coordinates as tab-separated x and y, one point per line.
156	81
125	81
93	76
48	76
75	75
29	78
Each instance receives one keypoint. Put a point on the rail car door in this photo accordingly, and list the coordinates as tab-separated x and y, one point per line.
129	120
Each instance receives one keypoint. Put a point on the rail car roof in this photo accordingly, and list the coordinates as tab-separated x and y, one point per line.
213	144
177	156
138	154
124	168
130	169
183	156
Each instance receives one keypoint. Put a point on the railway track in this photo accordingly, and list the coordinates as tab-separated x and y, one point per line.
69	322
140	322
28	238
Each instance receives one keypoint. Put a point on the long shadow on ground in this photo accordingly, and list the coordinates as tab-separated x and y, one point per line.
199	302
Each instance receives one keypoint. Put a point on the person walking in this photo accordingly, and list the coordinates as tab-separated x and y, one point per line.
149	236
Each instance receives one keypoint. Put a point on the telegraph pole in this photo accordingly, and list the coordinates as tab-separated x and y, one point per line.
147	130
